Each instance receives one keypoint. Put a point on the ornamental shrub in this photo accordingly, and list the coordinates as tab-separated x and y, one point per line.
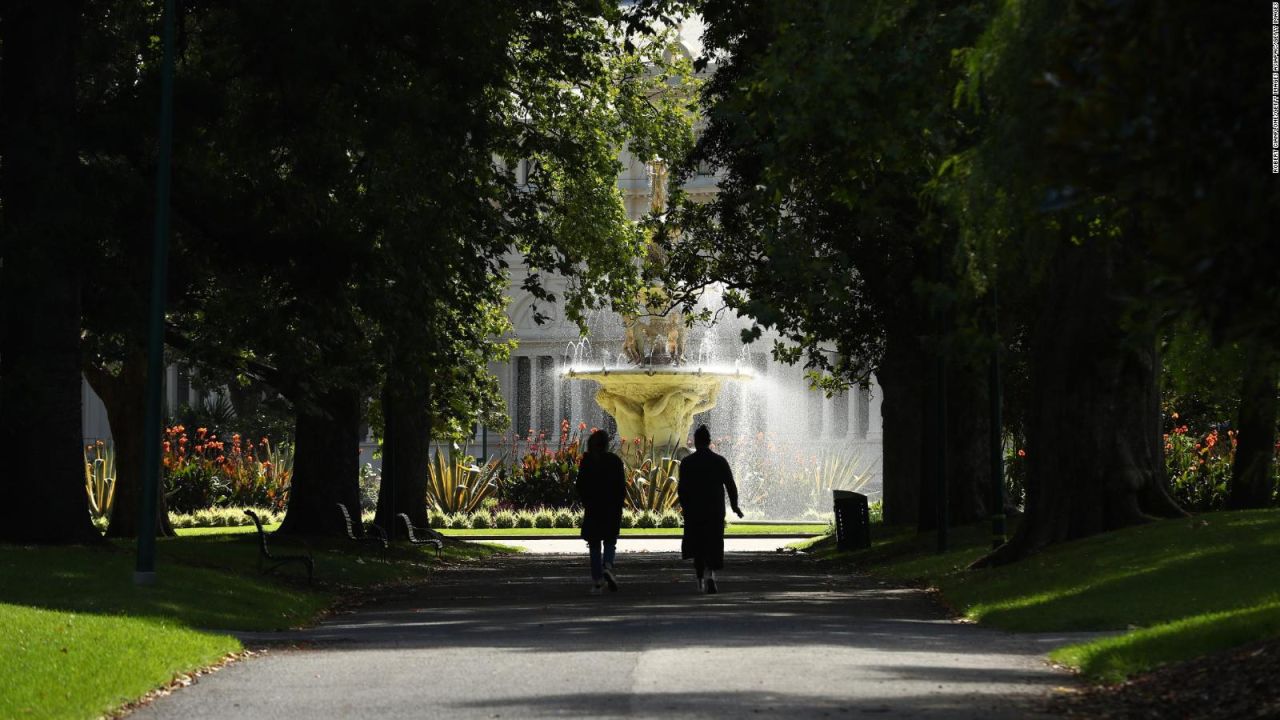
1199	467
563	518
201	470
504	519
646	519
437	519
544	518
525	519
458	521
670	519
481	520
544	474
628	519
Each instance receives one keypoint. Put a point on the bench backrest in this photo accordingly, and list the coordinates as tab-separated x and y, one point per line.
262	534
408	528
346	520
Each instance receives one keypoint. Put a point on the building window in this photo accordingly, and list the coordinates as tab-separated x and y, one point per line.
863	412
815	404
840	415
566	400
182	390
524	397
547	422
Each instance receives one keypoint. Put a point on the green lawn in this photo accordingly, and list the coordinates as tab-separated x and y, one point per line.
730	529
1180	588
80	639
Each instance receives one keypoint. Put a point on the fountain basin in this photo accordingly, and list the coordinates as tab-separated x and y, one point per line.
657	403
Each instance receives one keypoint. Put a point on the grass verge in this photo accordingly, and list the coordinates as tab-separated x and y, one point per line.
80	639
1177	588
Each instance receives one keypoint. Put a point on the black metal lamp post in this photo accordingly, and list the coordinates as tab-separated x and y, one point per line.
145	569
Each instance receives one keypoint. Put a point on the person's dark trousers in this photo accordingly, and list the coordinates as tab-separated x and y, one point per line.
602	554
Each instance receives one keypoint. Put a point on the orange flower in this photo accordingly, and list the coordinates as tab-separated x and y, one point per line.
1022	453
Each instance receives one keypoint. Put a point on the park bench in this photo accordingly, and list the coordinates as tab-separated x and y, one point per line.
432	537
268	562
373	533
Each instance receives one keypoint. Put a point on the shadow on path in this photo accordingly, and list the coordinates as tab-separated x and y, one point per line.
521	637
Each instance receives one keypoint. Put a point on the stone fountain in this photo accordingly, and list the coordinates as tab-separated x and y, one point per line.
655	393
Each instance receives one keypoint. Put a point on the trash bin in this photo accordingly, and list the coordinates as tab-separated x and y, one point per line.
853	520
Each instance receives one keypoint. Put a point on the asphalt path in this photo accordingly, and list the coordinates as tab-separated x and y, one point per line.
520	637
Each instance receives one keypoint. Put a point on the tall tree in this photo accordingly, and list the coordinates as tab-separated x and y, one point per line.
828	124
1119	126
528	122
40	384
1093	425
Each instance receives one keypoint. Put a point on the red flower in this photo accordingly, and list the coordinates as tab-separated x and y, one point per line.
1022	453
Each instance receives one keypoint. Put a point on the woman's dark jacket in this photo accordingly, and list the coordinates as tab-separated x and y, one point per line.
602	486
705	479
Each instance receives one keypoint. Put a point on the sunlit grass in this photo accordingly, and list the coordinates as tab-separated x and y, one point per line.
1180	587
58	664
80	638
1113	659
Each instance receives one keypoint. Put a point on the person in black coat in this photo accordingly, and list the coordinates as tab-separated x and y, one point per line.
602	486
705	479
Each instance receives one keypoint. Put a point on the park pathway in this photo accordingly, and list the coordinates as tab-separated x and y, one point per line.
520	637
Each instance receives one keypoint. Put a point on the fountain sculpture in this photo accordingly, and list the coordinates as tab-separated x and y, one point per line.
656	393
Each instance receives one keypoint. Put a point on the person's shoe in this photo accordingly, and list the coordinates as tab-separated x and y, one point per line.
596	589
711	586
608	578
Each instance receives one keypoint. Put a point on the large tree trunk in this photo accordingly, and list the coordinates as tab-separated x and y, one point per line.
406	408
902	378
40	384
124	396
968	455
326	466
1093	429
1253	472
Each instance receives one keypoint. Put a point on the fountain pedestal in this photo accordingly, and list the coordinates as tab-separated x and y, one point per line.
657	404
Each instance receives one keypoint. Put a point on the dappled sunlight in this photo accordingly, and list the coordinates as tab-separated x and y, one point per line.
1199	560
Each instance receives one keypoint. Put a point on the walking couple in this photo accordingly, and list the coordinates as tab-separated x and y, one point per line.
705	479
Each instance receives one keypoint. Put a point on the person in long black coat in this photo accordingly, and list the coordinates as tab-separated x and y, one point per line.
705	479
602	487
